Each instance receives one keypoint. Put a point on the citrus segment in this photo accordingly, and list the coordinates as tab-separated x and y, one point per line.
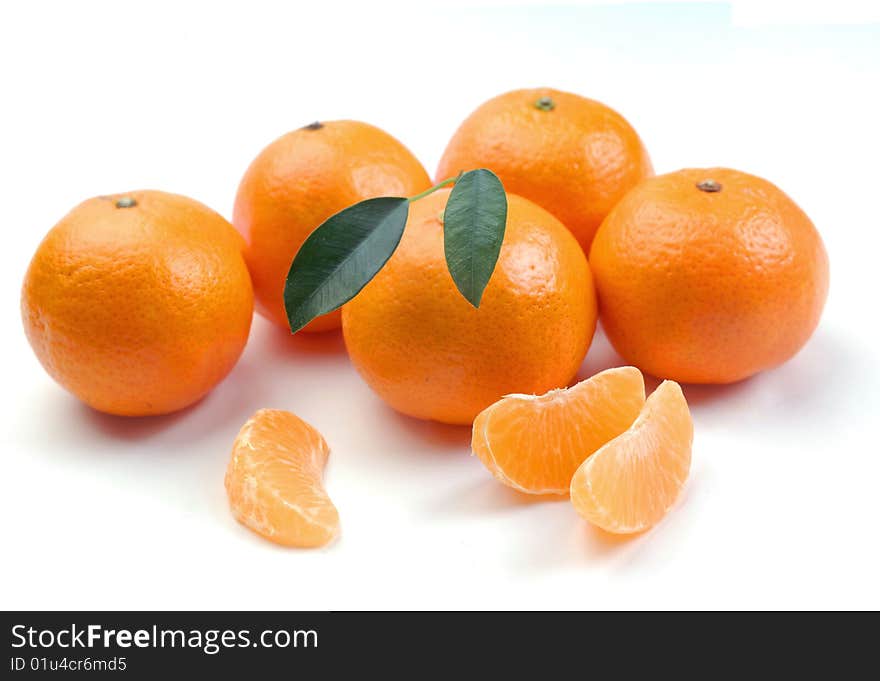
274	480
535	443
631	482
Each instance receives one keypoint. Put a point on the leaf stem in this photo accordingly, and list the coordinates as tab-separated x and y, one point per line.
437	186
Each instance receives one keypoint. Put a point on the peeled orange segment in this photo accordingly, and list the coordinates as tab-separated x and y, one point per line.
632	481
536	443
275	480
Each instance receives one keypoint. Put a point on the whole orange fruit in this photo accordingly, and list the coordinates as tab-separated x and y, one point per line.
428	353
300	180
708	276
138	303
571	155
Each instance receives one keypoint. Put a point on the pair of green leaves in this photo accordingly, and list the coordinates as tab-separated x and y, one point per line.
348	249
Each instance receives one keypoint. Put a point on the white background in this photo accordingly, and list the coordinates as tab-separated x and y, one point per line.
100	512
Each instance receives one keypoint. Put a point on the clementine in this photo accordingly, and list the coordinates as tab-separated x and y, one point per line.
708	276
428	353
138	303
571	155
300	180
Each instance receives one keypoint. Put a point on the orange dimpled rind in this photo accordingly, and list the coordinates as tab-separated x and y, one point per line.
138	303
573	156
708	275
300	180
425	350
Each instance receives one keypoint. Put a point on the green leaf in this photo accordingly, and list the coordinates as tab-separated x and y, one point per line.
473	229
341	256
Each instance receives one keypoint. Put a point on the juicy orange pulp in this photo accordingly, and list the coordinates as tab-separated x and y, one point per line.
536	443
274	480
631	483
